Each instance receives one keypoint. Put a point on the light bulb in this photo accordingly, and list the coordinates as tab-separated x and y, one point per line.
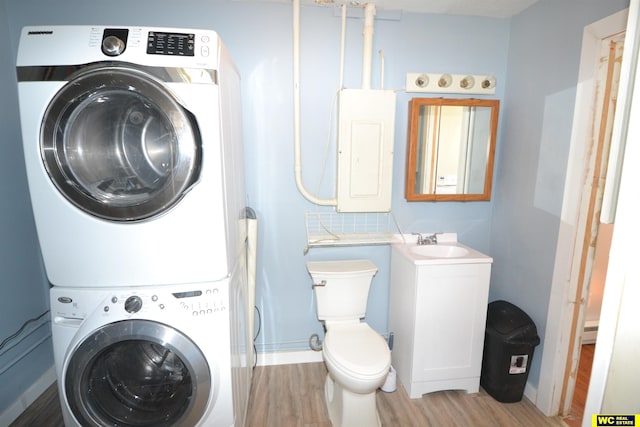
488	82
445	80
467	82
422	80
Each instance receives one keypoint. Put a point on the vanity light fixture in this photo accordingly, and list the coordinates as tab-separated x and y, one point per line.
451	83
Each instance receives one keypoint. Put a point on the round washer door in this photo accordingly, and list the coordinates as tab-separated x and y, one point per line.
118	144
137	373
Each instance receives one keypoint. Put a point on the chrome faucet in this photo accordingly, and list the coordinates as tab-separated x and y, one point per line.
420	240
431	239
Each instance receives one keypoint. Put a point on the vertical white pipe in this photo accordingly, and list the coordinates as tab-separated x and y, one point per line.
342	41
296	79
252	257
367	47
296	113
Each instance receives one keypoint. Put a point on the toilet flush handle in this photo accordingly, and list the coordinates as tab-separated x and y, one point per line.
321	284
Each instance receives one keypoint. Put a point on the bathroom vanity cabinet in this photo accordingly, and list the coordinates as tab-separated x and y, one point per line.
437	313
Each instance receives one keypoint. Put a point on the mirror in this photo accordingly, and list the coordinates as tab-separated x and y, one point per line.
450	149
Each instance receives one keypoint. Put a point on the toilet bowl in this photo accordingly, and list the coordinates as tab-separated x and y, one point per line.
357	360
357	357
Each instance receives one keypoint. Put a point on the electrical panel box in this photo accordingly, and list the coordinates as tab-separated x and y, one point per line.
366	119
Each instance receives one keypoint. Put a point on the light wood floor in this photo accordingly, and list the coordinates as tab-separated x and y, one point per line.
293	396
582	386
296	398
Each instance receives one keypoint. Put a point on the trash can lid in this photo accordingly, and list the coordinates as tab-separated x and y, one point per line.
511	322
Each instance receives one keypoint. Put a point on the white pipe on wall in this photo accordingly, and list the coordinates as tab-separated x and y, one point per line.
367	48
342	41
296	113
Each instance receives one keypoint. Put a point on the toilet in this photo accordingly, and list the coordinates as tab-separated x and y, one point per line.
356	356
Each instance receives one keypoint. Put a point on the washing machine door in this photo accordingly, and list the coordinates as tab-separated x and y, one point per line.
137	373
118	144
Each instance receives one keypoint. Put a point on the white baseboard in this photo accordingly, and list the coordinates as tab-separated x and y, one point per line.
28	397
590	331
289	357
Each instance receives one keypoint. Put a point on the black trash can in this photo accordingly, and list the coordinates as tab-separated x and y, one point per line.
509	341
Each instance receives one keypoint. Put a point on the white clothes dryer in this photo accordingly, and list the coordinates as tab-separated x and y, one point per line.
133	150
145	356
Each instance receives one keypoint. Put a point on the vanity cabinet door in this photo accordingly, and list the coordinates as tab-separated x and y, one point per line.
450	321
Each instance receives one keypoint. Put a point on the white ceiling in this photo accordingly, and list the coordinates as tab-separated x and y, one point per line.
490	8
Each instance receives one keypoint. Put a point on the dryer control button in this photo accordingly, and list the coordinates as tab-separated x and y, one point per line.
133	304
112	46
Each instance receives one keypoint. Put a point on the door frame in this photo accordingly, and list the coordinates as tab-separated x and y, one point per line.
562	331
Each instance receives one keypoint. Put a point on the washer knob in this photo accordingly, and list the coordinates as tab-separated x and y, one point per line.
133	304
112	46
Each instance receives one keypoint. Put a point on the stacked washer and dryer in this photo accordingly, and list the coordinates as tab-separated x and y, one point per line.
132	143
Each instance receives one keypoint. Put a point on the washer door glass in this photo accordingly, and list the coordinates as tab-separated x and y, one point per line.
137	373
119	145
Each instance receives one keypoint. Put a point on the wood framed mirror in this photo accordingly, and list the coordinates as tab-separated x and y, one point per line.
451	148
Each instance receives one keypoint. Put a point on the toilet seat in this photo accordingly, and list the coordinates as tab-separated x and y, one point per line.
357	352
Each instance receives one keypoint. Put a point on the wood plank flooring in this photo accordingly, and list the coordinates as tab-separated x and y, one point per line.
293	396
296	398
574	419
44	412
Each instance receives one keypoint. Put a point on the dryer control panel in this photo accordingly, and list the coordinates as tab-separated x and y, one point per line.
69	47
181	44
114	42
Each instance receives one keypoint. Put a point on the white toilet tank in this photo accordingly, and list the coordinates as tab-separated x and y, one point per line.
341	288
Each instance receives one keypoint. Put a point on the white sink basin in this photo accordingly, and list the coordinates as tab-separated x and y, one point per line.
439	251
448	251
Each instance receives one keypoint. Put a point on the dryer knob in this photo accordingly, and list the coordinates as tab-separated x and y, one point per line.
112	46
133	304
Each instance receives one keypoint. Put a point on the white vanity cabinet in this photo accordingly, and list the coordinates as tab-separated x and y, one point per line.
437	313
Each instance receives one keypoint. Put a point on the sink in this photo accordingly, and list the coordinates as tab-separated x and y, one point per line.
439	251
448	251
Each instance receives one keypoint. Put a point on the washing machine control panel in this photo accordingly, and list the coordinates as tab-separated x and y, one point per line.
193	302
201	302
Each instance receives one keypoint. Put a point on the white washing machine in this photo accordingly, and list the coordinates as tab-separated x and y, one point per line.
145	356
133	150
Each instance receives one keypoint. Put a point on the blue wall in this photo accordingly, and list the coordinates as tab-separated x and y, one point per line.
259	37
544	58
23	284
